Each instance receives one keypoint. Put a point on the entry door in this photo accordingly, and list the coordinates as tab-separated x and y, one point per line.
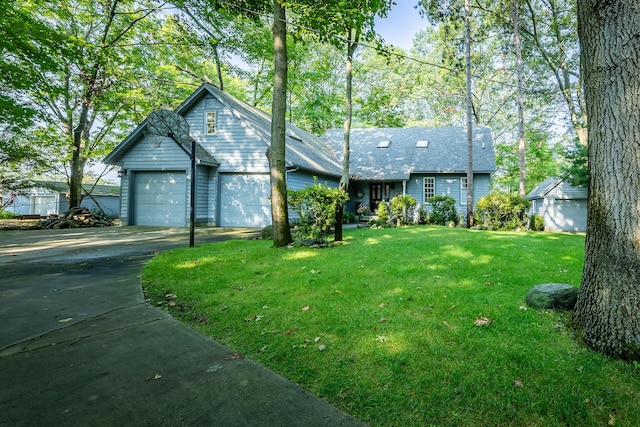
375	196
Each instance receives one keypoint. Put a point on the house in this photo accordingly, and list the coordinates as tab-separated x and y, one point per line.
421	162
562	205
50	197
232	172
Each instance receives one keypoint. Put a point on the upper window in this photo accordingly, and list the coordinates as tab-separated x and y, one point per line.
211	122
429	187
423	143
464	184
384	144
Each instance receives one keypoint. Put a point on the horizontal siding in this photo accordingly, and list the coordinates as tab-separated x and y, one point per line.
124	199
234	145
449	185
146	156
203	213
298	180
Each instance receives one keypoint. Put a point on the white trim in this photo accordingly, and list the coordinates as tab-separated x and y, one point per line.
424	183
207	122
464	190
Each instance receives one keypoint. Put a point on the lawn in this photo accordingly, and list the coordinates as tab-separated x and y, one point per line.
384	326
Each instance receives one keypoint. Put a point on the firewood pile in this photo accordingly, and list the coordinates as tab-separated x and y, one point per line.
75	218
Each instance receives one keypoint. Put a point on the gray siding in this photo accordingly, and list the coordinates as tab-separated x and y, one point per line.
300	179
124	199
146	156
234	145
203	214
449	185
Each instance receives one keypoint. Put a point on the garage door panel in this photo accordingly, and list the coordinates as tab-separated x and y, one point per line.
160	198
244	201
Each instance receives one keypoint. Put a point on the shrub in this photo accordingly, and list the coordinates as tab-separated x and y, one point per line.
6	215
536	223
443	211
423	215
316	209
267	233
502	212
402	207
348	218
383	214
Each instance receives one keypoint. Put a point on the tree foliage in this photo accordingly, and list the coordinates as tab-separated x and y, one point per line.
315	207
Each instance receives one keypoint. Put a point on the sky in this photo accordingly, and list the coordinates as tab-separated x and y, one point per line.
401	25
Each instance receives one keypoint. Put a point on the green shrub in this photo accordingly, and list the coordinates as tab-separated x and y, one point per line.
6	215
443	211
316	209
402	207
267	233
536	223
383	214
348	218
423	215
502	212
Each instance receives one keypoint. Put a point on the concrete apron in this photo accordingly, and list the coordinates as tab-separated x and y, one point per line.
80	346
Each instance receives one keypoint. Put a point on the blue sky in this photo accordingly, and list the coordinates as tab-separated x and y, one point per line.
402	24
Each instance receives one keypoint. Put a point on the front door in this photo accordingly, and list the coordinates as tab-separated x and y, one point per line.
375	197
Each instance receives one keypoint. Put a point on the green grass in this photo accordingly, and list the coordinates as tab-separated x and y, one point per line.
382	326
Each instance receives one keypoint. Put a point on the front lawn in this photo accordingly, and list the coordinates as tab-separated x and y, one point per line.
385	326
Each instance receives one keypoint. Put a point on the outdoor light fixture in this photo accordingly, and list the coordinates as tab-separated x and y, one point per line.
122	172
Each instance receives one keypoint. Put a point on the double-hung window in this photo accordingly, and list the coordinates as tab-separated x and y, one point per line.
210	122
464	188
429	188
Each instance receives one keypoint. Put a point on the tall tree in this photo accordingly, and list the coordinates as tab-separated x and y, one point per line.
515	13
469	98
607	314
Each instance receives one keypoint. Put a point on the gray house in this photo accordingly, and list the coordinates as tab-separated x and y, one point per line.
50	197
421	162
232	174
562	206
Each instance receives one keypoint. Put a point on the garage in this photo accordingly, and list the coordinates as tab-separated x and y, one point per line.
160	199
244	200
567	215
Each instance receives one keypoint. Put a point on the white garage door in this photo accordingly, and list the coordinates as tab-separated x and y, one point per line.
569	215
244	201
160	198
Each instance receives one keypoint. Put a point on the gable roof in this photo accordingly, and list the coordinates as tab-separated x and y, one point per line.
560	188
413	150
303	150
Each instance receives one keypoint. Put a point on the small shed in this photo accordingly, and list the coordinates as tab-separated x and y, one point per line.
562	206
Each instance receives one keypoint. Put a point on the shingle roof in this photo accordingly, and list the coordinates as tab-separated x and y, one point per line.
445	152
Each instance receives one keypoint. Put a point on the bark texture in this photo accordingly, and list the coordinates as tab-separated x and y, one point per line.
276	152
607	314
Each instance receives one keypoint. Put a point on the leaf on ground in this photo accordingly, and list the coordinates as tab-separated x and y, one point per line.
290	331
517	384
523	307
236	356
383	319
314	271
305	308
322	347
612	420
381	305
214	368
316	339
157	376
483	321
381	338
65	320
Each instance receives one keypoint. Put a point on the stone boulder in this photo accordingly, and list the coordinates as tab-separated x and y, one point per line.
557	296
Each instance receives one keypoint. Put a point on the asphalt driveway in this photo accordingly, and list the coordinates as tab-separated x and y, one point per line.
79	345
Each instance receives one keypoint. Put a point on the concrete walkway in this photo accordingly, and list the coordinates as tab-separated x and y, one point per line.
79	346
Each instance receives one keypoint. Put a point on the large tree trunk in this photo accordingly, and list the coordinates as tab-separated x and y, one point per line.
467	24
607	314
276	152
520	75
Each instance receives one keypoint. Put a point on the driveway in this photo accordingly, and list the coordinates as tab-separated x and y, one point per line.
80	346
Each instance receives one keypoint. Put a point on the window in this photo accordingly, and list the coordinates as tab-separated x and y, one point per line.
464	186
211	122
429	188
384	144
422	144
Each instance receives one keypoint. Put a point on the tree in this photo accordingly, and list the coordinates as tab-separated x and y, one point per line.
607	313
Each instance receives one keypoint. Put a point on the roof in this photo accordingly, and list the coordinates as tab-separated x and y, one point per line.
303	150
559	188
413	150
63	187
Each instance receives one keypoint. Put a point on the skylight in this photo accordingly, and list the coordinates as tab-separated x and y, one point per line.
422	144
384	144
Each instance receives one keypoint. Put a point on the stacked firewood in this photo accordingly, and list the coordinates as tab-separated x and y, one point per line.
75	218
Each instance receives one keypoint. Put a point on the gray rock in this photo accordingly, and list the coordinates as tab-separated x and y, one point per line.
552	296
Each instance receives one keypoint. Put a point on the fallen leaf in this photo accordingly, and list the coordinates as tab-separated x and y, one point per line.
489	283
157	377
381	338
482	321
438	277
316	339
381	305
314	271
322	347
214	368
383	319
612	420
290	331
236	356
523	307
305	308
263	349
65	320
517	384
